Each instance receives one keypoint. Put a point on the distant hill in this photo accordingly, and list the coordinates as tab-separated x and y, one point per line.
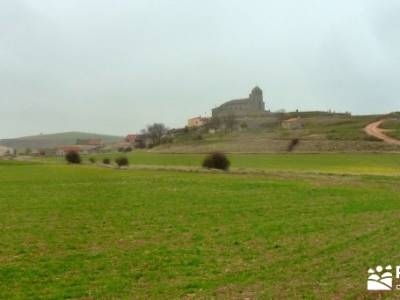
55	140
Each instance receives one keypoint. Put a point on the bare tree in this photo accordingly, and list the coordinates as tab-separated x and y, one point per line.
155	132
214	123
230	122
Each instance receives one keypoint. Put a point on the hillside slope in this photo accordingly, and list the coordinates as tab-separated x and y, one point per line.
55	140
319	133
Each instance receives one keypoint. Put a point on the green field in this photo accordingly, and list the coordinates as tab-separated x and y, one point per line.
302	230
341	163
335	163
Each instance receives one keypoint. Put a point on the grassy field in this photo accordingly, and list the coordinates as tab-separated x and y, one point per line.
393	126
99	233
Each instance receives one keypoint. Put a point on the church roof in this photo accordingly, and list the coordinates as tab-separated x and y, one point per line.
242	102
236	102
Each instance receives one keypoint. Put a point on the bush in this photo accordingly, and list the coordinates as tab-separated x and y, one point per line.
106	161
92	160
198	137
293	143
140	143
167	139
73	157
216	160
122	161
125	149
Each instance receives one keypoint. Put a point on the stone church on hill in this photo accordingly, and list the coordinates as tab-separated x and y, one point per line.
242	107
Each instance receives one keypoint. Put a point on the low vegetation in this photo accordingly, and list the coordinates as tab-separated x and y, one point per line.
216	160
106	161
92	160
293	143
125	149
122	161
73	157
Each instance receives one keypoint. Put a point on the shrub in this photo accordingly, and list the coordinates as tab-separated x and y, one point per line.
106	161
167	139
73	157
125	149
140	142
122	161
198	137
293	143
92	160
216	160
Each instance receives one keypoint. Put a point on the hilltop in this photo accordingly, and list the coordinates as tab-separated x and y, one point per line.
55	140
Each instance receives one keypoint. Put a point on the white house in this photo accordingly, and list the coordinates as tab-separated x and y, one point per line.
4	150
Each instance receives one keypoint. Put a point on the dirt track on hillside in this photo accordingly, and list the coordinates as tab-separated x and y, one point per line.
374	130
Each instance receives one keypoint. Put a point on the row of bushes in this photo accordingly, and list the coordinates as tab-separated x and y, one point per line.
74	158
216	160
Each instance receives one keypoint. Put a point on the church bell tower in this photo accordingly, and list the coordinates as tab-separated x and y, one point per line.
256	96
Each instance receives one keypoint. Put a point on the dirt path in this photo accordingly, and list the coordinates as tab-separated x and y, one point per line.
374	130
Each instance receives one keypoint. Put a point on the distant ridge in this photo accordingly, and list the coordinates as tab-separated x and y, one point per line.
55	140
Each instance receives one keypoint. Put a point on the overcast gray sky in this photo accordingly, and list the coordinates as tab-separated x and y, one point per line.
113	66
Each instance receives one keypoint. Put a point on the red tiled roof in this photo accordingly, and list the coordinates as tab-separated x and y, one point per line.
292	120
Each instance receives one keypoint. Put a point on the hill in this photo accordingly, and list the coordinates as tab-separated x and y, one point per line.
55	140
319	132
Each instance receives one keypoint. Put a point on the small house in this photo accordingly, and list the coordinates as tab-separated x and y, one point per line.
4	150
197	121
131	138
292	123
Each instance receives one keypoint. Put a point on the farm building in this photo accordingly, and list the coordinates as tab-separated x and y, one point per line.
44	151
197	121
82	149
131	138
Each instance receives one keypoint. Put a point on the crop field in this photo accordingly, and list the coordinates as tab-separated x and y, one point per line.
307	227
